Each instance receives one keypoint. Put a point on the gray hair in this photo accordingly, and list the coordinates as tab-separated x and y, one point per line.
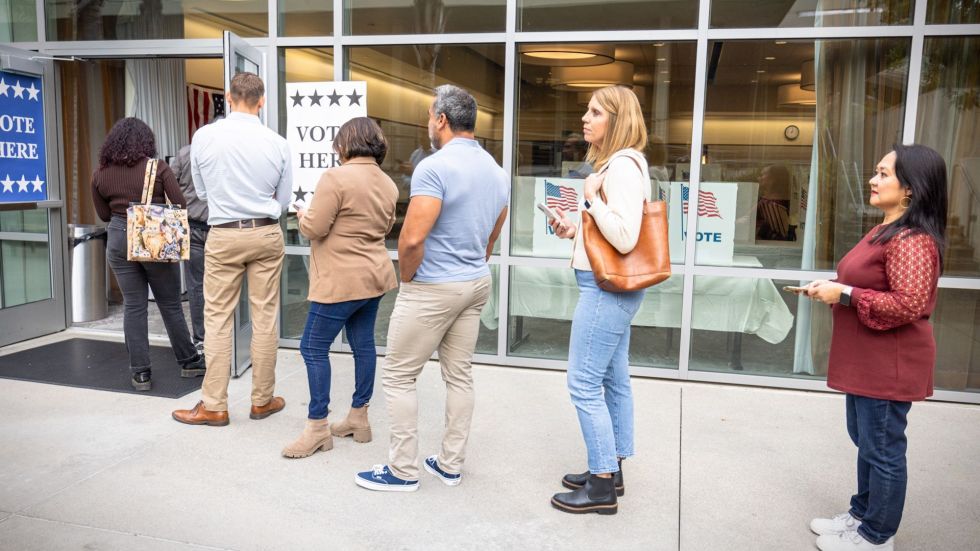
458	106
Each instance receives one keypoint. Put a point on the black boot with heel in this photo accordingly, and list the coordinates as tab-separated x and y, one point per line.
597	495
574	481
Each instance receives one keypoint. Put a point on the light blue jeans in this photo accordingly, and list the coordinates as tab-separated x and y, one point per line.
598	371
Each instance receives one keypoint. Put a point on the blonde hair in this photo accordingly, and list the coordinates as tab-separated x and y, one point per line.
626	128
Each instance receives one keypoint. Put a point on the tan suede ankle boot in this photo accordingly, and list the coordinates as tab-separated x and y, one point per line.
356	425
316	436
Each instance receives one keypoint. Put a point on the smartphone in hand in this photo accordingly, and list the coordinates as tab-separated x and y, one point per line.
298	205
548	211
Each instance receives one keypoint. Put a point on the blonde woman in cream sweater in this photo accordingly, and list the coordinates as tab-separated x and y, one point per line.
598	351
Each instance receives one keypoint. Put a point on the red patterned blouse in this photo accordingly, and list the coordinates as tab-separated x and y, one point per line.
882	345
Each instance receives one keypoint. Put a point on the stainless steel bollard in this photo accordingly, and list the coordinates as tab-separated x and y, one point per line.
88	272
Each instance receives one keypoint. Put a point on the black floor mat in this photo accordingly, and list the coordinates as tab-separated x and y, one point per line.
100	365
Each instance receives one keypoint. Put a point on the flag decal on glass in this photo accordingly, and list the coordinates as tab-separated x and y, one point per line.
707	203
560	197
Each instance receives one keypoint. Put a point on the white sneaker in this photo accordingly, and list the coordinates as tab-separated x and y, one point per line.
852	541
841	523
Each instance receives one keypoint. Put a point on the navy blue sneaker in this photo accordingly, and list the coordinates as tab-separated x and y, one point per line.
382	480
432	466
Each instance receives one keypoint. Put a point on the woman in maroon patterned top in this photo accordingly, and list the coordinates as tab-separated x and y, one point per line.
882	352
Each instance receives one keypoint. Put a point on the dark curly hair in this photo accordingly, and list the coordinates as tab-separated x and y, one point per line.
129	142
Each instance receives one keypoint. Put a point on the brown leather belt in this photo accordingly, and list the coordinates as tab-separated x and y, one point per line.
250	223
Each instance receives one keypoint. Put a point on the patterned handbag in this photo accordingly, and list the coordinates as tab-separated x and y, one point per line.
156	233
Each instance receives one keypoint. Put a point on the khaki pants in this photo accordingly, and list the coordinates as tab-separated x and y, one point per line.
427	317
230	255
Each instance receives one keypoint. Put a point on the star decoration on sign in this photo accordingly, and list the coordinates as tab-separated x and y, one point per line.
355	98
3	92
22	184
18	90
300	194
8	184
37	183
334	98
33	92
297	99
315	98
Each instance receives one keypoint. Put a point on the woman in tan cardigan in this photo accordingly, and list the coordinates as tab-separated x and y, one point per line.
352	210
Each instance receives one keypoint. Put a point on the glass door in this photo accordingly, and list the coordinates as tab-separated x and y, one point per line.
32	225
240	57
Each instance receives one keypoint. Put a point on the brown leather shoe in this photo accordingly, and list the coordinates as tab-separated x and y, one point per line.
201	416
275	405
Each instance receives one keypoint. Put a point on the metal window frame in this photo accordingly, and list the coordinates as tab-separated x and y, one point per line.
510	37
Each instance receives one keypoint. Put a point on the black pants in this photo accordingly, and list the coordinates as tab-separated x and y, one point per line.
164	279
194	279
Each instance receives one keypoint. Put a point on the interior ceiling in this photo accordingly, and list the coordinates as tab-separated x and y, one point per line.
740	62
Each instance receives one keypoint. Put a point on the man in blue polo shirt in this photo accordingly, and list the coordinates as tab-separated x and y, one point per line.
458	206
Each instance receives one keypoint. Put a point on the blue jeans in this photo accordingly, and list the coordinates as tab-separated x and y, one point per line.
877	428
598	371
323	324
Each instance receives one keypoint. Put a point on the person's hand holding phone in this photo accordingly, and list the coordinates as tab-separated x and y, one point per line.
563	227
300	207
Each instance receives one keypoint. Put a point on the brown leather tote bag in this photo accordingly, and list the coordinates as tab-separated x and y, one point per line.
645	266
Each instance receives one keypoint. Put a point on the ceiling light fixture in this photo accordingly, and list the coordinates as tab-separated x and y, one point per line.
770	58
792	94
598	76
567	55
808	79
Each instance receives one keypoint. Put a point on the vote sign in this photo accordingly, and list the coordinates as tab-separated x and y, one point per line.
716	222
23	165
315	111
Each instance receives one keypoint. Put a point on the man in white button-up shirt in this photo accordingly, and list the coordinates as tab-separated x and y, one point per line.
242	169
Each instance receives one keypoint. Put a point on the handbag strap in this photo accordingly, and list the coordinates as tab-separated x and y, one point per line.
630	154
149	183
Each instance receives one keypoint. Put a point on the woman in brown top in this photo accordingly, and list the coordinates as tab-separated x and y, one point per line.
353	208
116	183
882	351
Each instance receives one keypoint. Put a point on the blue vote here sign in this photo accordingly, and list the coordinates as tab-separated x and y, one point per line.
23	164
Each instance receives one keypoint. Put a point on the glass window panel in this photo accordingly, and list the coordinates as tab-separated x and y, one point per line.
424	16
400	80
300	65
748	325
956	326
733	14
953	11
25	260
542	303
19	21
592	15
550	104
81	20
305	18
295	289
947	120
769	197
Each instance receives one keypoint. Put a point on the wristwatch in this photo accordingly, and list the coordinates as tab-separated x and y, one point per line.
845	296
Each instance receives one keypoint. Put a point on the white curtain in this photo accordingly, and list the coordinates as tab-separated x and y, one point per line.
156	93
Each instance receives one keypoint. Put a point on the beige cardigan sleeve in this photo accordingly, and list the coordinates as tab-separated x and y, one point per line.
620	216
323	210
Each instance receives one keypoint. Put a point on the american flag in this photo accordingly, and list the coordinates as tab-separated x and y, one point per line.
562	197
203	104
707	203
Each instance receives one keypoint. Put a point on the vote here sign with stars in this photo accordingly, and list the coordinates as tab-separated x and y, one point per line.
23	166
315	111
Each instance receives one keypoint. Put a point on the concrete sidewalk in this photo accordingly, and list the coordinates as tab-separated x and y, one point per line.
717	468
